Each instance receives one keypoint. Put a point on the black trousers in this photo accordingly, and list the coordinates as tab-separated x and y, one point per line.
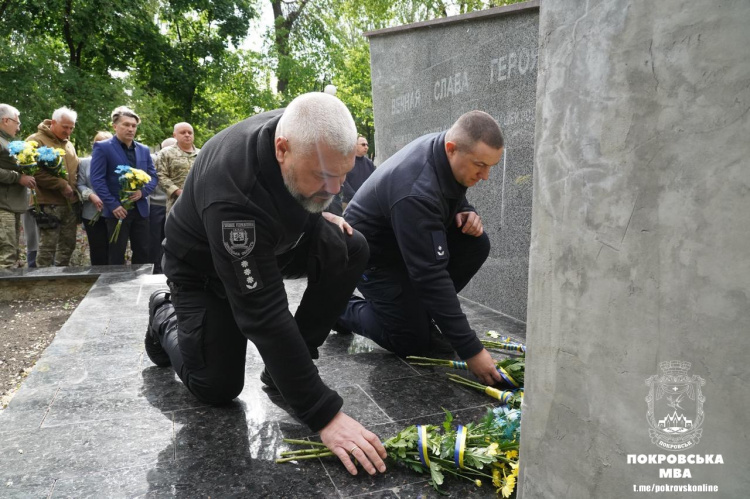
206	346
392	314
98	241
157	216
135	228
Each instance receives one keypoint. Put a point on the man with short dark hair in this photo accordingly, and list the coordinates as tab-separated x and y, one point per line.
426	243
122	149
363	168
14	185
57	196
253	212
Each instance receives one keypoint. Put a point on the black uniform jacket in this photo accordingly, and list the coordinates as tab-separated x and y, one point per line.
403	210
363	168
234	217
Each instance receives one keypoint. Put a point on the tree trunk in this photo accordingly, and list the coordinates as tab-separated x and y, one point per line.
283	26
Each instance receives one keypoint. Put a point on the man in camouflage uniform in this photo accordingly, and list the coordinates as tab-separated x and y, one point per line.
14	195
174	163
57	196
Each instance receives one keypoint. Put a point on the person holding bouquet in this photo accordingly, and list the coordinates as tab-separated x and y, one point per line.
426	243
56	190
253	212
14	188
107	156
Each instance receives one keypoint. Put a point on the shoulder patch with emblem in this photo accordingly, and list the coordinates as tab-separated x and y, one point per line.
238	237
440	245
248	275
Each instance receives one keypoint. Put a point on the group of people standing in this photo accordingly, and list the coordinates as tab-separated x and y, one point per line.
91	192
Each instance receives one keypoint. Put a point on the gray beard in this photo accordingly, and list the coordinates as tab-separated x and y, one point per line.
309	204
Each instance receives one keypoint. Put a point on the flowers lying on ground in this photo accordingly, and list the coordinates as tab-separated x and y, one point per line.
503	343
478	452
511	370
130	180
512	398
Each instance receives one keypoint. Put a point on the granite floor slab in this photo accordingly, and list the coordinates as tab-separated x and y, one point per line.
96	418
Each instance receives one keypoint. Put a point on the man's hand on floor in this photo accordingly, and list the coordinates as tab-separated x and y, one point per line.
346	438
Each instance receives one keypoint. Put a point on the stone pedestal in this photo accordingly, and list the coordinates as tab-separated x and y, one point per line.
639	250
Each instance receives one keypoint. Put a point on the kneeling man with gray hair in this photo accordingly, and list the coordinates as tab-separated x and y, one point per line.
252	212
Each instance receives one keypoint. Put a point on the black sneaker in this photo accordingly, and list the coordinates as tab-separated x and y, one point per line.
267	380
154	350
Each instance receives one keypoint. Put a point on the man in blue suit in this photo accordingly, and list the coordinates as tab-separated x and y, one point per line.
107	155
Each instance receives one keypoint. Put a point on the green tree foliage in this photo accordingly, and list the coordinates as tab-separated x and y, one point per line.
180	60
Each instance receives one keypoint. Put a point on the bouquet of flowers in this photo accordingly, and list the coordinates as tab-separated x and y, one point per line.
26	155
131	180
51	159
511	370
487	450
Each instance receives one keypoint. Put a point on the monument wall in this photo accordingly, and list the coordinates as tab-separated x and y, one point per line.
639	254
424	76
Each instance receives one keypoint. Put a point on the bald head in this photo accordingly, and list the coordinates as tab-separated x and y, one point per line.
183	133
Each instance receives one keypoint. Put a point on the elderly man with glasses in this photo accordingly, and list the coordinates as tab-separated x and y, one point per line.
14	185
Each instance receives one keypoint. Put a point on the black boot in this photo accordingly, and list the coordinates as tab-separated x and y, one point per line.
152	344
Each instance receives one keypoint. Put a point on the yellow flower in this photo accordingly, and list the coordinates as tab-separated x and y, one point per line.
511	454
478	482
497	479
33	143
510	484
492	449
59	151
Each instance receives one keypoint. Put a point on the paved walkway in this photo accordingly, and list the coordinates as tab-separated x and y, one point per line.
96	418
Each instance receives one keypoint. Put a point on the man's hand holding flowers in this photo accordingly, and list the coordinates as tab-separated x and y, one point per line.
482	365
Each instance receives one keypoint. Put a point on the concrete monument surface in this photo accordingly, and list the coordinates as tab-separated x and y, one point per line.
425	76
639	280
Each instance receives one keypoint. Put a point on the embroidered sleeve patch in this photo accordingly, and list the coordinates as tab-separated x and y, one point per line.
440	245
248	275
238	237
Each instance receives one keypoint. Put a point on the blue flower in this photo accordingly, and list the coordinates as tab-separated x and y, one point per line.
47	154
16	146
122	169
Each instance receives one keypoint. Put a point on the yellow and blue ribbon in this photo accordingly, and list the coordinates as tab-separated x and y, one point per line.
455	364
458	453
422	450
507	377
